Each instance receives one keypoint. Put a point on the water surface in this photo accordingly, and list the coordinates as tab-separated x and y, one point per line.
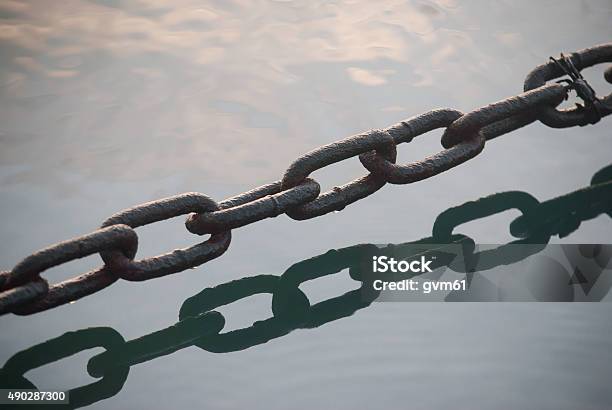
107	104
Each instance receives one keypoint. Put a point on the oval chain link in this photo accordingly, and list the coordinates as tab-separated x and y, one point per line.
582	59
338	197
406	131
172	262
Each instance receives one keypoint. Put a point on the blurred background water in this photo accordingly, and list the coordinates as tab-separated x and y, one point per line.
107	104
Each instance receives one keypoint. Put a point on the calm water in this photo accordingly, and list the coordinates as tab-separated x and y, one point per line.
107	104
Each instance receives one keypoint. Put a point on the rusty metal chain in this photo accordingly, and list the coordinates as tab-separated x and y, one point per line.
199	325
24	291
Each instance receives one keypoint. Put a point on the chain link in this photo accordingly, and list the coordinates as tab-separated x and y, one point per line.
462	151
546	95
268	206
71	343
579	115
172	262
21	295
338	197
23	291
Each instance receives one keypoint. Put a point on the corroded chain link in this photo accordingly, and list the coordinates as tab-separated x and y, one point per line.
23	291
200	325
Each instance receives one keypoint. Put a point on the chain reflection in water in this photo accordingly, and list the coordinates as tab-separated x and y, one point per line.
200	326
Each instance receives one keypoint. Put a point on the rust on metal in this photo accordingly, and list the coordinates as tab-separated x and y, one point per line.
23	291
